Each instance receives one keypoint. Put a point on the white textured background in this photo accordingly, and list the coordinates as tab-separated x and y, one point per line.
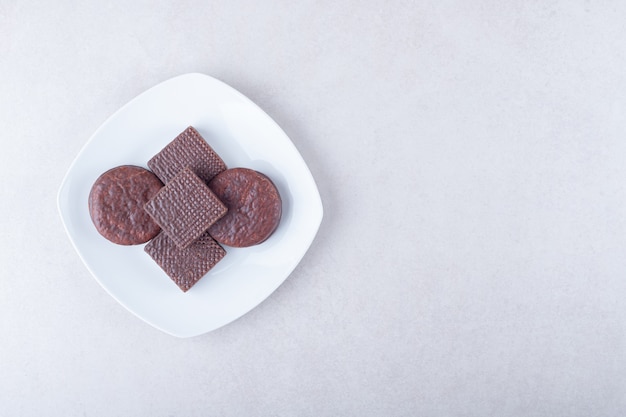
471	160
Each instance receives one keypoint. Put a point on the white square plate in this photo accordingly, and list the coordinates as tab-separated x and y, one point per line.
244	136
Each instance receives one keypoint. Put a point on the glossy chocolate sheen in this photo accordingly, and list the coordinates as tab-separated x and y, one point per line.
185	266
185	208
187	150
254	207
116	202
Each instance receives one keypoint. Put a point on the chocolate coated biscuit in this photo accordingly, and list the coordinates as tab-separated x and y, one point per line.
185	266
254	207
116	202
187	150
185	208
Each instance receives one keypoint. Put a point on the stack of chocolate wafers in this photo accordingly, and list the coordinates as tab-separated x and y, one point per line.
185	206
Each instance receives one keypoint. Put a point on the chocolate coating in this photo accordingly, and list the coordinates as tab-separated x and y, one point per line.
187	150
254	207
116	202
185	208
185	266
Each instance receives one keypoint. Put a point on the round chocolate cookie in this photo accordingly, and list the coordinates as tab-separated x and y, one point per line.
116	204
254	207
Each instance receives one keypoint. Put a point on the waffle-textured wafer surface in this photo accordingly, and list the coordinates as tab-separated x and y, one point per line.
185	266
185	208
116	202
187	150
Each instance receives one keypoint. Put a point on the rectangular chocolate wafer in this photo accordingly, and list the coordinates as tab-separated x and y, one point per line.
185	208
185	266
187	150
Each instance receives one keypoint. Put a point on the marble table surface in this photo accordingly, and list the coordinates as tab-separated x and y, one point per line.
470	160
